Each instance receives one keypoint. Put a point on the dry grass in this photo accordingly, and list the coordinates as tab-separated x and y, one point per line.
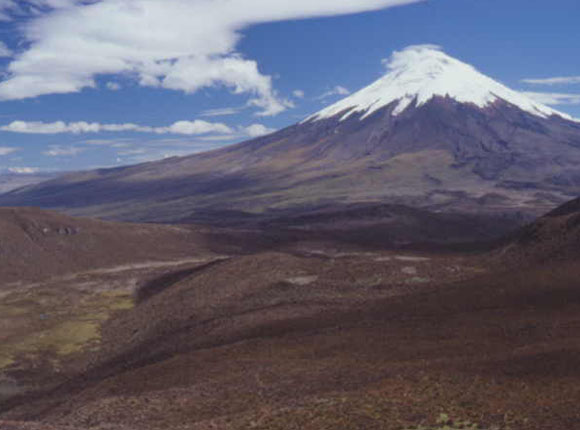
46	324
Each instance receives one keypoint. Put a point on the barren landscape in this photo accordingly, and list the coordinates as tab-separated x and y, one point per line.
304	334
289	215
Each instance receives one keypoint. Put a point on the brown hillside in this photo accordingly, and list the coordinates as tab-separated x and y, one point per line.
36	244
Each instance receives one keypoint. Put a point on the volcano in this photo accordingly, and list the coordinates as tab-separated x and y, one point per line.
433	134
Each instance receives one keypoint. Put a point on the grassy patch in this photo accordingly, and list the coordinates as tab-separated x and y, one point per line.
12	311
5	361
117	300
62	339
70	337
49	326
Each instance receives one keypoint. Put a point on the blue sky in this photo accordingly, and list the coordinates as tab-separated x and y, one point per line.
104	83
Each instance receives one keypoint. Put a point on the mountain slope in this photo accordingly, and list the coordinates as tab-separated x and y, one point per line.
553	237
433	133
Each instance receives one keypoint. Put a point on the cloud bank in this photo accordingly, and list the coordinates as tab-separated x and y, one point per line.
180	127
187	128
222	111
23	170
63	151
299	94
182	45
554	98
563	80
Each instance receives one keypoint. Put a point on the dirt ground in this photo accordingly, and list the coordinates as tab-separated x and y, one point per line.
301	335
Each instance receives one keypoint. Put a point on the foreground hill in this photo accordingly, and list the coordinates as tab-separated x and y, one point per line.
61	278
36	245
553	237
315	337
433	133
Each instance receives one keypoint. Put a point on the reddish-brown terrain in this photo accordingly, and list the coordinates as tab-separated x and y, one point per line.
300	328
38	244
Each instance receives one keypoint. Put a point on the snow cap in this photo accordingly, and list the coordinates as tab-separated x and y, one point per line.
420	72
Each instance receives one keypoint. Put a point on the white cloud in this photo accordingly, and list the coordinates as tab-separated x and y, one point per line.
564	80
11	9
5	51
222	111
207	131
554	98
299	94
8	8
37	127
336	91
113	86
23	170
7	150
257	130
180	127
194	127
240	75
117	143
63	151
182	45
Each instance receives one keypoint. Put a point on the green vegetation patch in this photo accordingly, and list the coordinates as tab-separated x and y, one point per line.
62	339
117	300
9	311
5	361
70	337
50	326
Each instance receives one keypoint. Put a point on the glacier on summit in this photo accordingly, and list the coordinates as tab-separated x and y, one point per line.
420	72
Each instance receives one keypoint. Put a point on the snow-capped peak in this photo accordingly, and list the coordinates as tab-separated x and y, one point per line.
421	72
